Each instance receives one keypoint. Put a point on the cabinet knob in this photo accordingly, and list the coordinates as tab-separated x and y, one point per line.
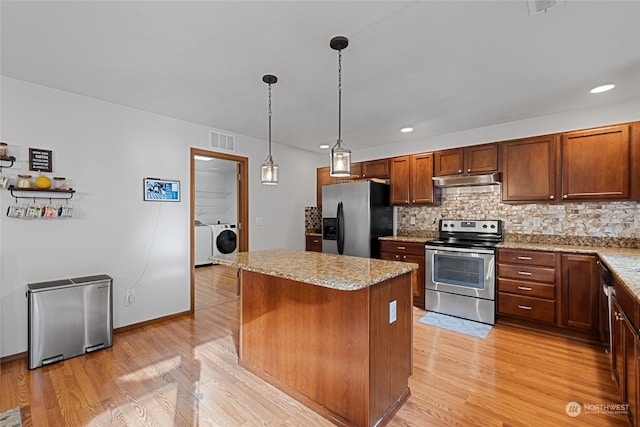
552	197
404	257
459	170
469	170
564	196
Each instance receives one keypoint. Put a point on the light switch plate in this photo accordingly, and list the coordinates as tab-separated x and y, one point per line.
393	311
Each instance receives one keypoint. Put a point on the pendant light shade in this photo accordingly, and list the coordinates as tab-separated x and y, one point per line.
340	155
269	170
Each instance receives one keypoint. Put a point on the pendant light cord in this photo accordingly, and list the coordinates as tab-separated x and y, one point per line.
339	97
269	120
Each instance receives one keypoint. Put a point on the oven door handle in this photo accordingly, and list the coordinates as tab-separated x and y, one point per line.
444	249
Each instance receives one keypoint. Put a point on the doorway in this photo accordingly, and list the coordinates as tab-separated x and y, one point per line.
241	208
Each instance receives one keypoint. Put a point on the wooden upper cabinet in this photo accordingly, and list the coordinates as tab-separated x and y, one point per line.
376	168
400	180
468	160
356	172
481	158
449	162
529	169
421	183
411	180
596	164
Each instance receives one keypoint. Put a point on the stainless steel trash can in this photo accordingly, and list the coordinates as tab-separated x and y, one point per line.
68	318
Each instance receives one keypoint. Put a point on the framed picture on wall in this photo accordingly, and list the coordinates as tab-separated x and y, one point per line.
161	190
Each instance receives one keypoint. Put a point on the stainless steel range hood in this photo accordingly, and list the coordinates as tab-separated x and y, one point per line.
467	180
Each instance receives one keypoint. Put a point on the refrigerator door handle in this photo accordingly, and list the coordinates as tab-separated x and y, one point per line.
340	227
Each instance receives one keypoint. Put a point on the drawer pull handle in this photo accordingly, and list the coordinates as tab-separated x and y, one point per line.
524	288
316	241
524	307
402	248
525	258
524	273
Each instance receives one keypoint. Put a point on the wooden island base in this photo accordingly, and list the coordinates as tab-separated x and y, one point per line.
333	350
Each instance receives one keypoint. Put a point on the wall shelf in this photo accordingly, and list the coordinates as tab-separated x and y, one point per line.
10	159
38	193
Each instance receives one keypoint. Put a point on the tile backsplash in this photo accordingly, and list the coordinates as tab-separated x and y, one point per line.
584	219
312	218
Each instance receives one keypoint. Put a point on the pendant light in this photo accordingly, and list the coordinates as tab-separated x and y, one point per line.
340	155
269	169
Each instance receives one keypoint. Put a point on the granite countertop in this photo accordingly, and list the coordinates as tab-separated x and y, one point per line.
621	261
340	272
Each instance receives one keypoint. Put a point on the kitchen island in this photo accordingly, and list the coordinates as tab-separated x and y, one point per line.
332	331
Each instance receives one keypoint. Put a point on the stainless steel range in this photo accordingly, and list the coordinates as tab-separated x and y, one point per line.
460	269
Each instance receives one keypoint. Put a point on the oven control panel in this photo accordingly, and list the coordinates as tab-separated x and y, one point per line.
466	226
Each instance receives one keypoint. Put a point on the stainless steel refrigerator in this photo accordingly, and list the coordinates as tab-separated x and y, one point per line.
354	215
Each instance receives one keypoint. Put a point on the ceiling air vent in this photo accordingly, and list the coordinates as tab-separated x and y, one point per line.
222	141
541	6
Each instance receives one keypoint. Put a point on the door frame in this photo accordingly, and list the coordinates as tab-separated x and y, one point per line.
242	208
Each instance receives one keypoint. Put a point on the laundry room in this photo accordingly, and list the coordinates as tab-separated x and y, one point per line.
216	201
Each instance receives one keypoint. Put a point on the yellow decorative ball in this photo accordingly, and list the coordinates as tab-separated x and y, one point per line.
43	182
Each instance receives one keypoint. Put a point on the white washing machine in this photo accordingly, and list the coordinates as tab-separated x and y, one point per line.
203	235
225	238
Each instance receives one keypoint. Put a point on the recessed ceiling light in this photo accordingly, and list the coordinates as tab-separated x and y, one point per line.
602	88
406	130
324	146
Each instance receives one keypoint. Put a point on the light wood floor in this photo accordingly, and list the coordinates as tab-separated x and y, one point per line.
184	372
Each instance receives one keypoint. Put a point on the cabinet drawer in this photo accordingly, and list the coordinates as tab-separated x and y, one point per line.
402	247
527	307
314	243
528	289
547	259
527	272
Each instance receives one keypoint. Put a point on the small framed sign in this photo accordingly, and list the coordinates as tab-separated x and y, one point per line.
40	160
161	190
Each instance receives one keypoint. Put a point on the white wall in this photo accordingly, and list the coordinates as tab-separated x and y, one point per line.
622	112
105	151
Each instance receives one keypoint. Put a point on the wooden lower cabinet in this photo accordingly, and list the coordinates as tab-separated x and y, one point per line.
580	291
625	352
393	250
557	289
314	243
527	285
351	366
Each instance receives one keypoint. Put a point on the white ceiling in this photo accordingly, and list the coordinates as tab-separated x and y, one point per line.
438	66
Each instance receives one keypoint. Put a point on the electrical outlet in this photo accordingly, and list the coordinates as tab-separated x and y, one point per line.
412	220
636	222
393	312
258	220
130	296
536	221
